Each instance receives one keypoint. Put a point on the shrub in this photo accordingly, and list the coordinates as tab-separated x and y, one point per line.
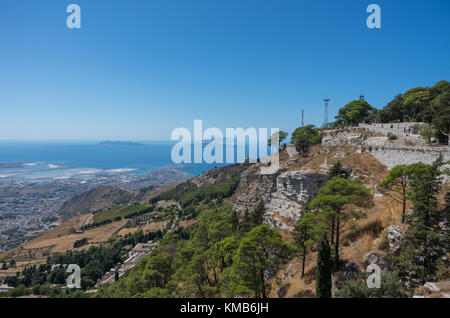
443	273
391	136
81	242
422	291
391	287
20	290
384	243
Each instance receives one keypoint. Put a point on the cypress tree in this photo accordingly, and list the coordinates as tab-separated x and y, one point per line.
323	271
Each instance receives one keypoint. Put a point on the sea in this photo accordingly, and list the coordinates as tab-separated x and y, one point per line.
43	161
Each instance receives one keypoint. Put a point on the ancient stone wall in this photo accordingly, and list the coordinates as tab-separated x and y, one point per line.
387	152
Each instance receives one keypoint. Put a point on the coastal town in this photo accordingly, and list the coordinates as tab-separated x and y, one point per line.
29	208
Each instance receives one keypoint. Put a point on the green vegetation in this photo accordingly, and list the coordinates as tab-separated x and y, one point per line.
207	193
175	193
422	104
337	170
424	243
428	132
223	254
260	253
332	206
94	262
356	112
323	270
305	137
282	135
391	287
398	180
207	260
391	136
80	242
120	212
188	195
326	216
303	235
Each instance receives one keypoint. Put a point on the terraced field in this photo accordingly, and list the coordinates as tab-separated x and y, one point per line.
120	211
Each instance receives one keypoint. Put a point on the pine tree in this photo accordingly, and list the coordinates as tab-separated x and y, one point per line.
252	219
424	242
261	252
338	171
302	235
323	271
258	214
333	199
398	180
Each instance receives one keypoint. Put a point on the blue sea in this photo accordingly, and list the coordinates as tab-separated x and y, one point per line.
82	160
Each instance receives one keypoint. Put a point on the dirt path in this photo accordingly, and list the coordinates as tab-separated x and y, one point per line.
88	220
391	209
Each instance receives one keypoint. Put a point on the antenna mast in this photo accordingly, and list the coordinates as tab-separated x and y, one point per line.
325	119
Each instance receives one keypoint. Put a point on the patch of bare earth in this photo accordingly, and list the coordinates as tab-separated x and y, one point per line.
61	242
187	223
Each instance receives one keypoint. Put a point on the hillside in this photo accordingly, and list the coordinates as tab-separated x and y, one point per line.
112	222
94	200
206	232
190	256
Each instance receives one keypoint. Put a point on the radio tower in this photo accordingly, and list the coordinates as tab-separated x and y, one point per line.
325	120
303	117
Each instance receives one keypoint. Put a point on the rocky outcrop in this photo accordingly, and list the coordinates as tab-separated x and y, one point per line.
293	189
284	193
377	259
394	237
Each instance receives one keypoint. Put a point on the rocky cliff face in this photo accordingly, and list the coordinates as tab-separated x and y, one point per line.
284	193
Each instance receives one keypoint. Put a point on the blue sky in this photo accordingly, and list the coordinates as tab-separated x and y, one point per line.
138	69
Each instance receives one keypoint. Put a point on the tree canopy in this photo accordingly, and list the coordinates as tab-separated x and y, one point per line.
282	135
332	200
304	137
424	242
421	104
398	180
356	112
260	252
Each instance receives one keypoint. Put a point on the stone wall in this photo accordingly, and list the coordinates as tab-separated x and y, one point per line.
350	136
393	156
389	153
397	129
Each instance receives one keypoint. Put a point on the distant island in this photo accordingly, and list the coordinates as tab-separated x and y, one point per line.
119	143
13	165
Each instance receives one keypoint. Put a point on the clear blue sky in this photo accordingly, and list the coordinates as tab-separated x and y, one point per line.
138	69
